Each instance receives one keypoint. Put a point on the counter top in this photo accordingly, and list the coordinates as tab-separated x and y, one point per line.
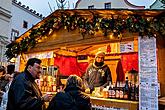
127	104
162	101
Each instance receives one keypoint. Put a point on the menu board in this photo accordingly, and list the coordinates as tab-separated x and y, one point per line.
148	86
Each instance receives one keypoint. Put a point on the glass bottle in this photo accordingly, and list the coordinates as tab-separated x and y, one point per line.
136	92
110	89
126	89
117	90
132	91
113	91
121	90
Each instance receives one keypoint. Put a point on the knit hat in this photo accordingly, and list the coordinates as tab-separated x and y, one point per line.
100	53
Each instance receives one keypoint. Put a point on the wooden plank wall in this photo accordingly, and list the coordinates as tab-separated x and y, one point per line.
161	70
161	63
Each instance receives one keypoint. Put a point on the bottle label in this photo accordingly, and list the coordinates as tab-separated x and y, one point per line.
117	94
110	93
121	94
125	96
113	94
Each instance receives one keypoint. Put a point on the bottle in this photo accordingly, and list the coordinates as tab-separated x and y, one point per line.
136	92
126	89
110	90
132	91
113	91
121	90
117	90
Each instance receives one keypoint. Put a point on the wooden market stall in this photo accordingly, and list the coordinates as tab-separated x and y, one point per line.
81	33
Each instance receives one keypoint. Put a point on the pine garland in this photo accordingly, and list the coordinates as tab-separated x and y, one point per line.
134	24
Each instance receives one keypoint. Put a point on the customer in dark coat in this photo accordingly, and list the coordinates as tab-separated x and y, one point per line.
72	98
4	79
24	93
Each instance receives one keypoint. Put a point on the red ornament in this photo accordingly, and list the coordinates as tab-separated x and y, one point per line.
108	48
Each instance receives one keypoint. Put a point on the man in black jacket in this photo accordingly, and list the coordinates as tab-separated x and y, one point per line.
24	93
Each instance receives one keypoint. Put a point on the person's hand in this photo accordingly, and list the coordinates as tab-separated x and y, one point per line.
1	93
47	97
8	76
101	88
87	91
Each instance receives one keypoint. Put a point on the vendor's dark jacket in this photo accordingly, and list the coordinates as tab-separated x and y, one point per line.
97	76
72	98
24	94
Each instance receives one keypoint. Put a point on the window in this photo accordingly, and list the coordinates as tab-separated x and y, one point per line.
14	34
25	24
1	51
2	56
107	5
91	7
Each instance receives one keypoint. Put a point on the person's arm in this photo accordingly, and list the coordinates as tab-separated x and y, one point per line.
24	98
5	77
89	106
52	104
108	77
86	78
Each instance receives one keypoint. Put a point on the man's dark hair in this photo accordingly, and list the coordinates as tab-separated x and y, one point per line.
2	69
31	62
10	69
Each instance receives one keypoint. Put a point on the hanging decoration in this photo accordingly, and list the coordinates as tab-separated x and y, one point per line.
108	50
116	25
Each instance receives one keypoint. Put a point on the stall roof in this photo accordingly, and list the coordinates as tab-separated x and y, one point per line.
100	12
56	40
103	12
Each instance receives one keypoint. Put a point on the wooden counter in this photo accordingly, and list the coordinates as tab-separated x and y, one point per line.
126	104
162	103
106	102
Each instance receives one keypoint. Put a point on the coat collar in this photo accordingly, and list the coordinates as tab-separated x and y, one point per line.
29	75
98	66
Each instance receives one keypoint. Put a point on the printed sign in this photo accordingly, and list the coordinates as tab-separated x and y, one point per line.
148	87
126	47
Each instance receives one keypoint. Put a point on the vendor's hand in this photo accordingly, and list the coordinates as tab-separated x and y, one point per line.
47	97
87	91
101	88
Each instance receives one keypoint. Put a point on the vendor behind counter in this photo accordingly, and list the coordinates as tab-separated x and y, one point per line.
98	73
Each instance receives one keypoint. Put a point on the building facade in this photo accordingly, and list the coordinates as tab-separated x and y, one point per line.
5	26
15	19
19	25
106	4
